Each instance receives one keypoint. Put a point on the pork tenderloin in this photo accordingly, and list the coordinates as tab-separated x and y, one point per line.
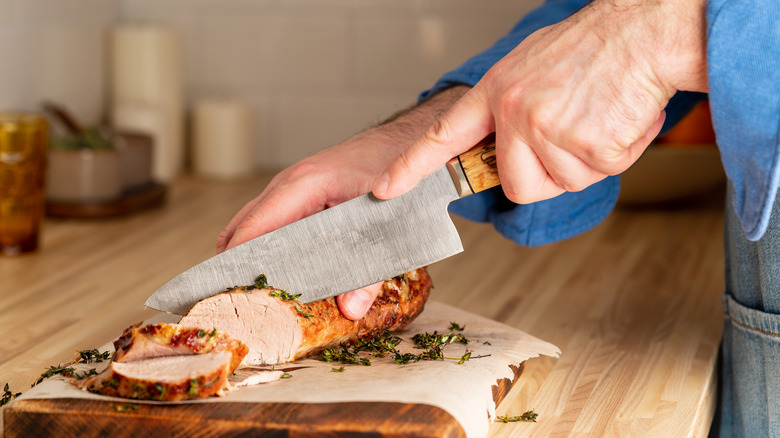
278	329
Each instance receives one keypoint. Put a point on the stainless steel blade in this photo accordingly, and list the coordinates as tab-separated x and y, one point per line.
355	244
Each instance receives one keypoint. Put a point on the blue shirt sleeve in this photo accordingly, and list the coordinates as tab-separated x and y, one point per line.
743	68
570	213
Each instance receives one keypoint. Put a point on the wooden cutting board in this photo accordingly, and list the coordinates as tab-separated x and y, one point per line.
93	418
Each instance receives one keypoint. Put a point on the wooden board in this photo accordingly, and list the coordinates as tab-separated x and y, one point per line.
93	418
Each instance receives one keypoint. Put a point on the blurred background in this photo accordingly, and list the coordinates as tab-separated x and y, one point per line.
311	72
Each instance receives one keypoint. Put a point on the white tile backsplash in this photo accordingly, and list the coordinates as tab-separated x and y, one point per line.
55	49
316	71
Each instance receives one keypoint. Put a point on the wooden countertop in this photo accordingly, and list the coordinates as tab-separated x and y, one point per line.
633	304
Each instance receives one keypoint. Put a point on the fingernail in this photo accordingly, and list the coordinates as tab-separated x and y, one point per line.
381	184
357	303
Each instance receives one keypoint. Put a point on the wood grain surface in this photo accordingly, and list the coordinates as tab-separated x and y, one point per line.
634	304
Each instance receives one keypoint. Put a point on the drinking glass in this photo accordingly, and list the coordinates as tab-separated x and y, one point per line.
23	142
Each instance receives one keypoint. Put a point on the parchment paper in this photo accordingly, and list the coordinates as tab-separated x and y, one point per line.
464	391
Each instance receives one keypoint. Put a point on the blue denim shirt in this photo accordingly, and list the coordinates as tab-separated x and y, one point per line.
745	102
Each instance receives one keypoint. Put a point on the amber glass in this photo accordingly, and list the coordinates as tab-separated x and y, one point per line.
23	142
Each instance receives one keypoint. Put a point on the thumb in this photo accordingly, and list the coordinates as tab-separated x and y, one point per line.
467	122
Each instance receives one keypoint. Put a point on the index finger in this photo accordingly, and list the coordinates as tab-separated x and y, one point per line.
458	130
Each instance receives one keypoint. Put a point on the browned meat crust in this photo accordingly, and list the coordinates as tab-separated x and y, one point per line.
159	340
281	330
168	362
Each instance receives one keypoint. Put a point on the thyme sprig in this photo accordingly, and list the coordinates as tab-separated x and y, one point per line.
283	294
302	313
343	355
8	395
526	416
94	355
385	343
53	371
379	345
85	374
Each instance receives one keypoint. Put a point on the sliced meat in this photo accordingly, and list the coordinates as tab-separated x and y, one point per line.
160	340
169	378
280	330
168	362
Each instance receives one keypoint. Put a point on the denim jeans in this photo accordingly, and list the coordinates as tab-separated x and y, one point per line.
750	374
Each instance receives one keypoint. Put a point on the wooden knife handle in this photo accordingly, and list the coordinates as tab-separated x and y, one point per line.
475	170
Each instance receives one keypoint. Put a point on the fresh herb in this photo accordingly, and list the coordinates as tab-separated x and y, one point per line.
193	387
286	376
124	408
283	294
8	395
455	327
427	340
343	355
405	358
201	333
487	343
378	345
90	372
213	333
338	370
52	371
465	357
527	416
261	282
302	313
94	355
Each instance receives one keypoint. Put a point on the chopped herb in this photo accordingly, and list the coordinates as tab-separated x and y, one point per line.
8	395
52	371
193	387
201	333
343	355
338	370
379	345
283	294
94	355
286	376
405	358
90	372
527	416
124	408
487	343
302	313
455	327
427	340
261	281
465	357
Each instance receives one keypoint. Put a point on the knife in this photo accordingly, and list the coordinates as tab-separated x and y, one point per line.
354	244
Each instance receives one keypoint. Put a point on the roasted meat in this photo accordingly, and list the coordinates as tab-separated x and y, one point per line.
279	329
168	362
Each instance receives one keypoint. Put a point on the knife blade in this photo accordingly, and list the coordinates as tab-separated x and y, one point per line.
354	244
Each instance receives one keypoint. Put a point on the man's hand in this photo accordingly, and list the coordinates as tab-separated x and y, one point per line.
572	104
333	176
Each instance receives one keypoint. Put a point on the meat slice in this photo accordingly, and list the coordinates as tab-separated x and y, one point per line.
169	378
278	329
168	362
160	340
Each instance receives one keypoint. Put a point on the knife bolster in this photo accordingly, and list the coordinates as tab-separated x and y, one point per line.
462	185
